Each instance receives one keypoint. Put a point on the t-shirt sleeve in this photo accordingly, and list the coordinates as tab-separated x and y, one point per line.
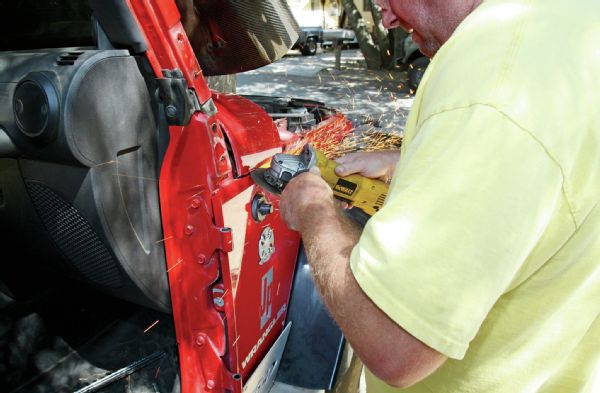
471	197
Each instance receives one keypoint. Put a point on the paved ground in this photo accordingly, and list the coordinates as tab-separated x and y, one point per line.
354	90
383	95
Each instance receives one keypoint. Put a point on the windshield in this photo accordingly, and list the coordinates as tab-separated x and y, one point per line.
36	24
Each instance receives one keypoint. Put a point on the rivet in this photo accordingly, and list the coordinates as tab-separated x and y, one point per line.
210	384
200	340
195	203
189	229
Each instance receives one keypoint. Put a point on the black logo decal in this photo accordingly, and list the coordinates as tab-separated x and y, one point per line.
345	187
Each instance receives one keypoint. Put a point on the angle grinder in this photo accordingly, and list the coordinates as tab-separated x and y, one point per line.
360	191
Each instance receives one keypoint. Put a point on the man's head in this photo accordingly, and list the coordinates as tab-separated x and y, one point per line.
432	21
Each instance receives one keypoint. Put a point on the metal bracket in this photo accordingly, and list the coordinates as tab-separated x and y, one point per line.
209	108
226	238
180	102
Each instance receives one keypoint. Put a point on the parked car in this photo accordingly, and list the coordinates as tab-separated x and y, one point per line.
309	40
346	36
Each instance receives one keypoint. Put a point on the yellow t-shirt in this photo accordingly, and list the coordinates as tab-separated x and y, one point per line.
488	247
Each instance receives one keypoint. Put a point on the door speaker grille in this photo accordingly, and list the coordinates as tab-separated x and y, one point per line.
75	238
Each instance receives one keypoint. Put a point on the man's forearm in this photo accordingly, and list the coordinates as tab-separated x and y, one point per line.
385	348
328	238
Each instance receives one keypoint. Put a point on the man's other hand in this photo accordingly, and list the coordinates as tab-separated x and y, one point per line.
375	164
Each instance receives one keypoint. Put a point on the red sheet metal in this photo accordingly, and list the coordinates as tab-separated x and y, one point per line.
259	290
251	131
216	331
229	305
195	164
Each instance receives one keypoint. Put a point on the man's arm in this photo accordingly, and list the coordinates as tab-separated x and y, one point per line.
386	349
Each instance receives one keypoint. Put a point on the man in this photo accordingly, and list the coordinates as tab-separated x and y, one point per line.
482	271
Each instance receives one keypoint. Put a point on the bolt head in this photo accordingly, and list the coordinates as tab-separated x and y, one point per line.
219	302
196	203
171	111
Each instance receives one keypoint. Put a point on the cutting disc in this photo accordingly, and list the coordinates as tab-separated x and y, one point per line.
258	175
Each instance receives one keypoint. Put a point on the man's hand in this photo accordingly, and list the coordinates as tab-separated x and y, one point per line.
304	196
375	165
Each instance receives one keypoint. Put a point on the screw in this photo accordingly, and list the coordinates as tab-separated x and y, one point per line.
200	340
189	229
171	111
210	384
219	302
201	259
195	203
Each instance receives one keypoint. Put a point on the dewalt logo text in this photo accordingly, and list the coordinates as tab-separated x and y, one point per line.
344	187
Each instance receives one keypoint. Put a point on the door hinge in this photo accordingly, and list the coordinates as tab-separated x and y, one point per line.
179	101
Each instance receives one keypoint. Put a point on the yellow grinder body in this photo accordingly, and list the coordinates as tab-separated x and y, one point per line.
362	192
